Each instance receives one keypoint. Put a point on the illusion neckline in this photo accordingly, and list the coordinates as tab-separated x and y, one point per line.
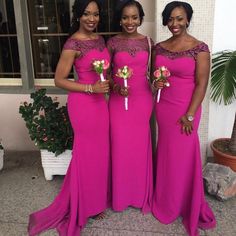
199	44
86	40
126	38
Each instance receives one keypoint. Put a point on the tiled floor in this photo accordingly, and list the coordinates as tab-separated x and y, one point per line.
23	189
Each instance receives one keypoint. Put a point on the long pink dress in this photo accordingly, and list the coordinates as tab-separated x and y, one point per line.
85	190
131	150
179	186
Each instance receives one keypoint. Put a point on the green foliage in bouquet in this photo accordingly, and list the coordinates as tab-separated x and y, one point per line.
48	124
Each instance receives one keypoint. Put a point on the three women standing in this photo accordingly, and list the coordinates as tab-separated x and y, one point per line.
85	190
131	149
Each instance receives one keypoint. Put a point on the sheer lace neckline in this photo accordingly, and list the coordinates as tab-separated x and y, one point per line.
192	52
85	40
125	38
131	46
84	46
182	51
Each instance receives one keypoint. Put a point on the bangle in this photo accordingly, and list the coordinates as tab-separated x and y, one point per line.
88	89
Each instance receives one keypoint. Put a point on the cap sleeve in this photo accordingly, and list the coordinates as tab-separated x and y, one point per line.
71	44
111	44
203	47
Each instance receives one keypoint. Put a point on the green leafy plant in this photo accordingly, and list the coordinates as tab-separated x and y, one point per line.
48	124
223	85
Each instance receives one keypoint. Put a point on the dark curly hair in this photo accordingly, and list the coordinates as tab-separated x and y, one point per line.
122	5
171	6
78	9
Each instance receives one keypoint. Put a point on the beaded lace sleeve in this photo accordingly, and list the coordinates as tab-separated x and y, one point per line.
84	46
70	44
110	43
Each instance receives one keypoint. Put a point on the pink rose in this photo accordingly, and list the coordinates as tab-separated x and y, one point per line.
157	73
166	73
106	64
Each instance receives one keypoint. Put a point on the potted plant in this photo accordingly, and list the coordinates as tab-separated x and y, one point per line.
223	89
1	154
50	129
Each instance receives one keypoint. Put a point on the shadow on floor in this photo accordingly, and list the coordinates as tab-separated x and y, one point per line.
23	189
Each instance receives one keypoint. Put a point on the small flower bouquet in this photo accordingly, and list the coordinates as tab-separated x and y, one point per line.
161	74
47	122
99	66
125	73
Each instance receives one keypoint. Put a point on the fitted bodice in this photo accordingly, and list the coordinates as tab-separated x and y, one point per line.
89	50
133	53
182	69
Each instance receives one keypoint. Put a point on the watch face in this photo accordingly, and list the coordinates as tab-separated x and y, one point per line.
190	118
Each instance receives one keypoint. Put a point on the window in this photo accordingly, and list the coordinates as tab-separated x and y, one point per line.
49	24
9	54
40	27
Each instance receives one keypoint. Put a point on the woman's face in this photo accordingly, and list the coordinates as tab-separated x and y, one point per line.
90	18
178	21
130	19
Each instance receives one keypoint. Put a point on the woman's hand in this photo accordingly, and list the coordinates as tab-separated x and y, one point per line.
124	91
186	125
158	84
101	87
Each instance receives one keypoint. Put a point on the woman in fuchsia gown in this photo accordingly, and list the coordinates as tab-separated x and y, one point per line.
179	186
85	191
131	149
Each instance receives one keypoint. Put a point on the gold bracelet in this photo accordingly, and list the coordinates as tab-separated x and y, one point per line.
88	89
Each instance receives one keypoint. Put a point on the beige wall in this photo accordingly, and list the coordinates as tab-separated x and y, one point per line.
148	26
13	131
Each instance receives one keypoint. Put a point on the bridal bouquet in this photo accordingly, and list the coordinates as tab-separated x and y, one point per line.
161	74
125	73
99	66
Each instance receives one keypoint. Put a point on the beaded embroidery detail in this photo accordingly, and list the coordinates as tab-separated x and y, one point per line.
201	47
132	46
84	46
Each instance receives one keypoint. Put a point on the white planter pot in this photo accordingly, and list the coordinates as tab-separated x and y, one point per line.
1	158
55	165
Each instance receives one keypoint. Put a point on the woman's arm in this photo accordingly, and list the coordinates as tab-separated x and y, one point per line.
201	81
63	69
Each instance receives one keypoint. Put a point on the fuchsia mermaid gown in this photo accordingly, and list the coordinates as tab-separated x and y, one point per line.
85	190
179	186
131	150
